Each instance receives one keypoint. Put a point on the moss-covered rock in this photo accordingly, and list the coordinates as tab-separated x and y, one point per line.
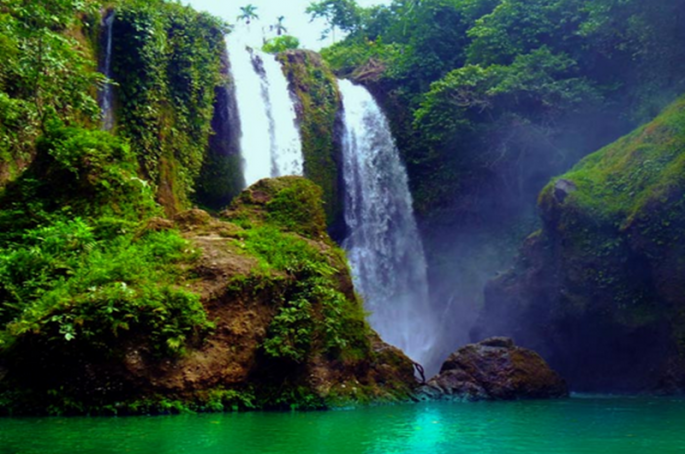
167	61
259	312
317	112
600	289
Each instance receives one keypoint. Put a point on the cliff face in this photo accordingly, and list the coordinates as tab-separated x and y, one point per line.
319	104
278	325
167	64
599	291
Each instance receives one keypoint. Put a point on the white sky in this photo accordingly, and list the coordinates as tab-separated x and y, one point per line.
296	21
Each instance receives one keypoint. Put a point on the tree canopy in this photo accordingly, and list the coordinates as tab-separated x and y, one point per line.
491	84
248	13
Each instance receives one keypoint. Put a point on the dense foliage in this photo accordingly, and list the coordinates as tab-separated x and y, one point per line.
281	44
494	87
80	274
314	315
167	67
42	42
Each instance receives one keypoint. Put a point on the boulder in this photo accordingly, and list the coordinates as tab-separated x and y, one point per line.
494	369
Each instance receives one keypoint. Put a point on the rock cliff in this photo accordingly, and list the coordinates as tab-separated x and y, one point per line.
599	290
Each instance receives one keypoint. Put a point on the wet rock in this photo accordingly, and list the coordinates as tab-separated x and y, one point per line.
494	369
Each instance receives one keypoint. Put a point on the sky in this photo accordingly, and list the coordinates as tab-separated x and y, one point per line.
296	21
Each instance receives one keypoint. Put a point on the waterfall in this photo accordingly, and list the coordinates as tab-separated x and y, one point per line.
107	92
383	243
270	141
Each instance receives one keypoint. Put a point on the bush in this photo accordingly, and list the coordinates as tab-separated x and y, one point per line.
281	44
314	314
63	284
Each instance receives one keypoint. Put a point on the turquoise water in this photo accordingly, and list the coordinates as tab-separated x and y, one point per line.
577	425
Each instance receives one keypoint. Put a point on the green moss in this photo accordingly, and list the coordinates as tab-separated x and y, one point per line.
290	203
317	91
313	316
297	208
167	67
619	181
620	233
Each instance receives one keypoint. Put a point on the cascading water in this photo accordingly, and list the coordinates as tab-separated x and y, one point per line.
270	141
383	243
107	92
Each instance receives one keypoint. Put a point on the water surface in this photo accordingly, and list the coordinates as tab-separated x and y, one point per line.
578	425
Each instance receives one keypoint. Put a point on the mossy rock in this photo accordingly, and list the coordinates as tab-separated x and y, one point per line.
319	104
292	203
608	263
256	311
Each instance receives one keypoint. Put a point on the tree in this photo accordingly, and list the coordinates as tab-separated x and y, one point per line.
248	13
343	14
279	27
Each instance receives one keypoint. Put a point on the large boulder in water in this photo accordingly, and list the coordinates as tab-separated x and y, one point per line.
495	369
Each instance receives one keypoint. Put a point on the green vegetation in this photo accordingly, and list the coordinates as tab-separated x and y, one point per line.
481	91
79	272
77	172
621	181
167	69
65	286
317	91
628	199
281	44
340	14
41	43
314	314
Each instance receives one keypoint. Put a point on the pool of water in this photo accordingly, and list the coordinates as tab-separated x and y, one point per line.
582	424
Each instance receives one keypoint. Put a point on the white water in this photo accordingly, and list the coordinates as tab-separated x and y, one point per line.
270	142
107	94
383	243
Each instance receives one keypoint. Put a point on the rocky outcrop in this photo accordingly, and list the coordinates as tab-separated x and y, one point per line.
599	291
318	106
287	329
494	369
